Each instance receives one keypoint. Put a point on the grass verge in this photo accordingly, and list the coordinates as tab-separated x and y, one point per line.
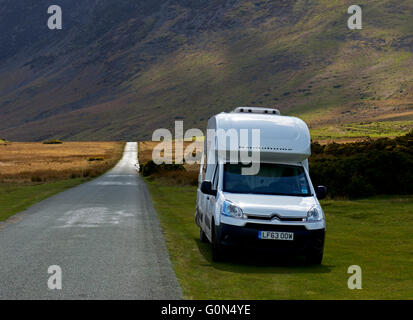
374	233
16	198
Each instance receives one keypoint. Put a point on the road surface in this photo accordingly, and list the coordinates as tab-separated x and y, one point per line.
104	235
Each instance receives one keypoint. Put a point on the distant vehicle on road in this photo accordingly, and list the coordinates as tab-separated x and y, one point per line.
275	209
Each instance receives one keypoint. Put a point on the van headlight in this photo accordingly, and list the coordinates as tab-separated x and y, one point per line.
314	215
231	210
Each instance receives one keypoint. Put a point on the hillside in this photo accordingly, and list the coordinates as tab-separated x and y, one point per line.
120	69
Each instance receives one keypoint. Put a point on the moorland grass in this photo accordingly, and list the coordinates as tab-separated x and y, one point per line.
374	233
372	129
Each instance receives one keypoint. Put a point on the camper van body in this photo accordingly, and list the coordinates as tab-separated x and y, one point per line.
276	209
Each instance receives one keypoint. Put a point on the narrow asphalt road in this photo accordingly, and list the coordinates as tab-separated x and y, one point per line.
104	235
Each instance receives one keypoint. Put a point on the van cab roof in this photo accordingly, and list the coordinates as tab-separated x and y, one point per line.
282	138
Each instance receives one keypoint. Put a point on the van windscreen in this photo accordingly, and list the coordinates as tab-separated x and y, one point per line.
273	179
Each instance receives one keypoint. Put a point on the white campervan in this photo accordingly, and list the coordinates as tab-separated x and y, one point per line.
276	208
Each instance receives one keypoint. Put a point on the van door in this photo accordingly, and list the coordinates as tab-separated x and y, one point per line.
211	202
201	198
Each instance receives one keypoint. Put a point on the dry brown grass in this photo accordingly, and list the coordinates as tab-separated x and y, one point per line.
188	177
146	148
145	151
22	162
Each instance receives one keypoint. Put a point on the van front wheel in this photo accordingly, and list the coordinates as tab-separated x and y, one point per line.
202	236
217	254
314	258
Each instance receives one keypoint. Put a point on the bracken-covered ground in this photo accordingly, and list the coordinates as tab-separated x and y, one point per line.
22	163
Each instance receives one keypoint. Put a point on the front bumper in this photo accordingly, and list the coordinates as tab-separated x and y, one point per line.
247	237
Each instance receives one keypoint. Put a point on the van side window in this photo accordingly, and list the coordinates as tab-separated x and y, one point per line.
216	177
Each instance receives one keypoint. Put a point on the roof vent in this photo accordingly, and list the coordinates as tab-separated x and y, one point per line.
257	110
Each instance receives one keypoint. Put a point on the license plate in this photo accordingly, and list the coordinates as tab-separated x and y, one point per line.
274	235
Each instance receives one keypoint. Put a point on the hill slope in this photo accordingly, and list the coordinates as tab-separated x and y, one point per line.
120	69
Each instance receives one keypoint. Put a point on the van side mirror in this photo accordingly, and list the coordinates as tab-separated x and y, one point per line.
321	192
206	188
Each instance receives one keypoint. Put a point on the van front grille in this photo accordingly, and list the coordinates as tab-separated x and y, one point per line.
274	216
273	227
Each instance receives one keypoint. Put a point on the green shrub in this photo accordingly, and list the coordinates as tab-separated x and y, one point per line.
149	168
52	142
36	179
96	159
361	169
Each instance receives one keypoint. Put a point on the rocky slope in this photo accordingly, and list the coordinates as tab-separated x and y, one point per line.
120	68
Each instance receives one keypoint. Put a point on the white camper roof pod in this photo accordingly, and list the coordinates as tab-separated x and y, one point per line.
282	138
252	205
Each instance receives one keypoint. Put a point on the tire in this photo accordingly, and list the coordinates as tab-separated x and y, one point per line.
203	236
217	250
316	250
314	258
